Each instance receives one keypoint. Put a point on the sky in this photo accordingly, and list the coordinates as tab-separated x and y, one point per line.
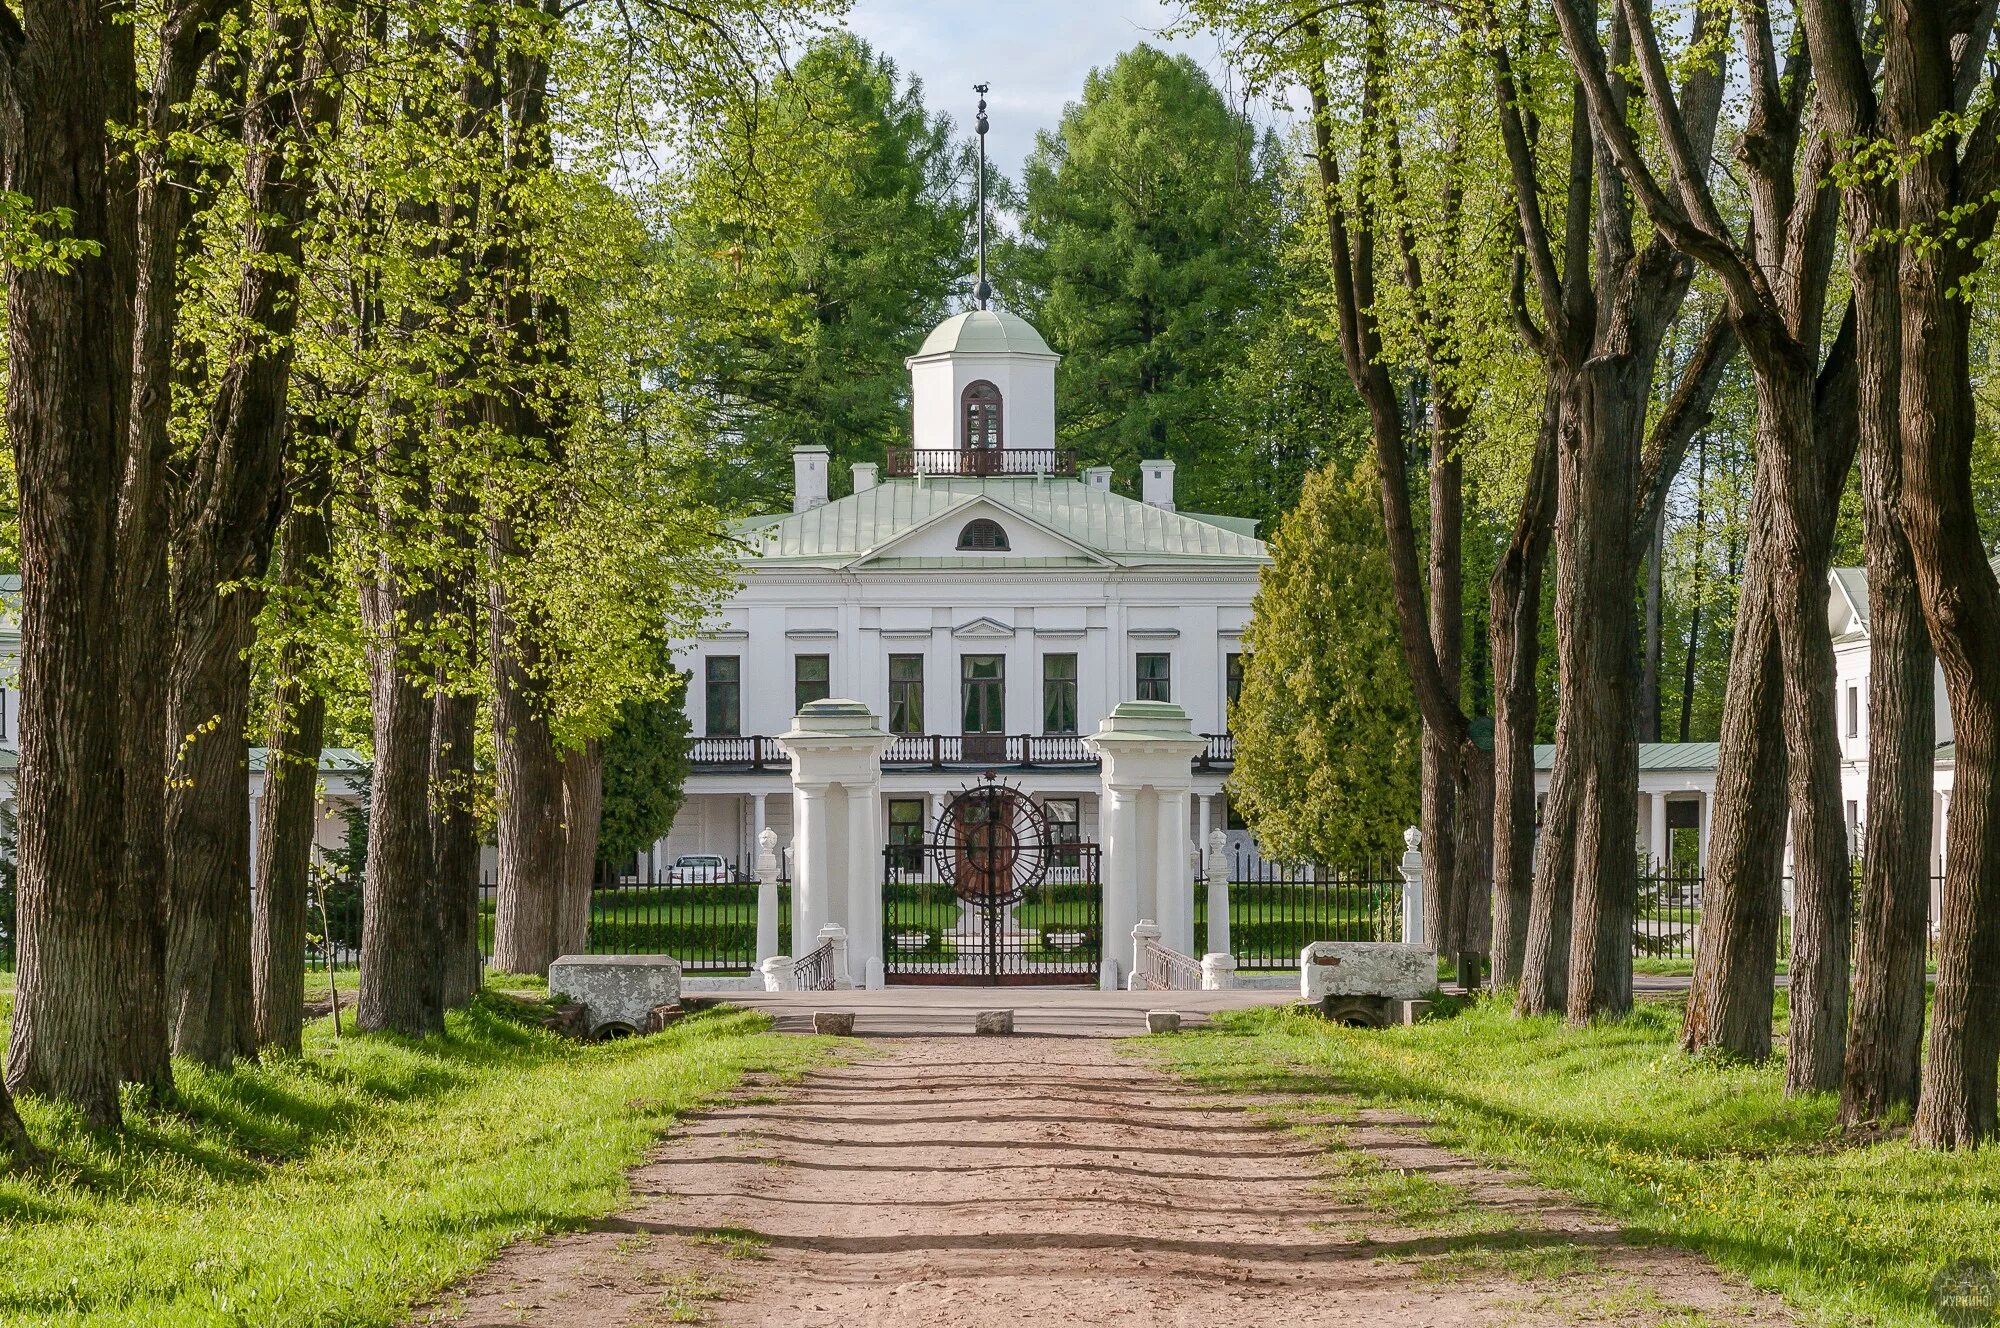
1035	54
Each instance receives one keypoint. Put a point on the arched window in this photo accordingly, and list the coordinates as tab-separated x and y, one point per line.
983	534
980	416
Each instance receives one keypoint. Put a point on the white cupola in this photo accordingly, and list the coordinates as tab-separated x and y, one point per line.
983	379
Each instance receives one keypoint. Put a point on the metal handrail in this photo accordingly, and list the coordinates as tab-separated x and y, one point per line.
1161	969
938	750
910	461
814	972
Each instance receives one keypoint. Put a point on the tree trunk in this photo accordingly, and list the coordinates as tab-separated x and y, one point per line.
69	340
290	805
1515	598
583	812
166	200
454	829
1445	904
222	535
1598	644
530	776
1822	884
1729	1002
1961	602
1438	770
400	961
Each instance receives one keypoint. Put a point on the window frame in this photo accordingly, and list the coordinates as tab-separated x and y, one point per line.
993	688
1162	686
712	688
905	837
973	537
800	682
906	696
983	395
1235	663
1049	685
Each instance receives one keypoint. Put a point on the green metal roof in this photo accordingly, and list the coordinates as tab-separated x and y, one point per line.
1698	756
985	331
1109	525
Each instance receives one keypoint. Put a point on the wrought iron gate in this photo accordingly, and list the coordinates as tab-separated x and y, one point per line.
992	898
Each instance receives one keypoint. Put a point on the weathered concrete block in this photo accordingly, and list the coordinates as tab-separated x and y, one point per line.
617	992
662	1017
834	1023
993	1021
1163	1021
1365	968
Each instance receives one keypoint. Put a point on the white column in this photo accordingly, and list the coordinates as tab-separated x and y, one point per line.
1201	836
1175	899
767	894
1656	845
1704	806
1120	869
757	817
864	883
811	869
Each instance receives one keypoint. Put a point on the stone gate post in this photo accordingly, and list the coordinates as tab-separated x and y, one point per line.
767	894
836	750
1413	887
1217	871
1145	751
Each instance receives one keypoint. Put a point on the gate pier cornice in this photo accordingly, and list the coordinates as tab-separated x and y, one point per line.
836	751
1146	751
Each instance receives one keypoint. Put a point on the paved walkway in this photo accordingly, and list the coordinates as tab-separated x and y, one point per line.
996	1183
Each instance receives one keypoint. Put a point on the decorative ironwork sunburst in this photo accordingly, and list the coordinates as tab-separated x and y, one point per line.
992	844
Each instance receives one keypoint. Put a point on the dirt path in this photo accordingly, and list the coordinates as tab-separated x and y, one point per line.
1025	1181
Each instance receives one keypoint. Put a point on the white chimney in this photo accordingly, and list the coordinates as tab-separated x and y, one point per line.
808	477
1156	484
865	473
1098	477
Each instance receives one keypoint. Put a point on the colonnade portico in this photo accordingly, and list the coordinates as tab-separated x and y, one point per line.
836	753
1146	750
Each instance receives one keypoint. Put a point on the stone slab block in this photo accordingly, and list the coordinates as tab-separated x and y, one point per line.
993	1021
834	1023
1163	1021
1411	1012
618	992
1365	968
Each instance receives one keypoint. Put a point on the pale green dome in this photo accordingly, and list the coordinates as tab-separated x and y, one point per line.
985	331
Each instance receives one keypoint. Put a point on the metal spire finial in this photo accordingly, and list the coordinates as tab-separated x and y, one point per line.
982	292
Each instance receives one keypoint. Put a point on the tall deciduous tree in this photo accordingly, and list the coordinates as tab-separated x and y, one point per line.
819	241
1149	221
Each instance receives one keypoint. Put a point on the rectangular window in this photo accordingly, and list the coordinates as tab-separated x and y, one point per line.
724	674
1232	682
906	694
1853	712
906	833
812	680
1065	817
1853	817
983	693
1058	693
1156	677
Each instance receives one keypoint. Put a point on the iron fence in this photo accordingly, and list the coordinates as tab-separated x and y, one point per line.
1277	909
814	972
1161	969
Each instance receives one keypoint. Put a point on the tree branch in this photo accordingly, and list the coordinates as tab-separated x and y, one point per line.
1686	414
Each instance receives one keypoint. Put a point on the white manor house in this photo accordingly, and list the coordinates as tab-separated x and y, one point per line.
986	601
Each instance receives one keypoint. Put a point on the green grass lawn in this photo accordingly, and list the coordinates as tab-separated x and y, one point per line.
1706	1155
340	1188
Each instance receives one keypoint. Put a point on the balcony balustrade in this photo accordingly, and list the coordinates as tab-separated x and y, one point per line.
905	462
939	751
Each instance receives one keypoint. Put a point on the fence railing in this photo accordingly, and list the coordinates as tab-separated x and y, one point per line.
711	927
1277	909
1161	969
814	972
940	750
904	462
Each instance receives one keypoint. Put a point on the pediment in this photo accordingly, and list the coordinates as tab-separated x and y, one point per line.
937	537
982	629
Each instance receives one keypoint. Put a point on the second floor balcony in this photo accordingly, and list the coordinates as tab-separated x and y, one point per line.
942	751
905	462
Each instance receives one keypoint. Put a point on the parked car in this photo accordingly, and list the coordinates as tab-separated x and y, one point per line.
698	869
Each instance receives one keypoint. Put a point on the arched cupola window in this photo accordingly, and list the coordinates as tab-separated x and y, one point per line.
982	534
979	415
